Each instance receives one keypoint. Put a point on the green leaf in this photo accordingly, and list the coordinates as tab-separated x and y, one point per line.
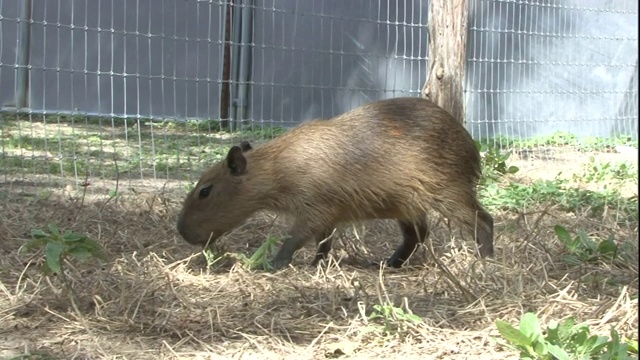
513	169
540	347
530	326
558	352
33	244
552	332
413	317
38	234
562	234
565	328
89	246
79	253
571	260
580	338
599	344
586	240
511	334
260	255
54	229
607	247
71	236
53	254
588	344
615	337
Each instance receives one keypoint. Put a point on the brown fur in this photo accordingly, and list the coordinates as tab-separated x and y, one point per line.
390	159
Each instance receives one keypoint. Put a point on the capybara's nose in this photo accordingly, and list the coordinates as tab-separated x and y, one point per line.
181	226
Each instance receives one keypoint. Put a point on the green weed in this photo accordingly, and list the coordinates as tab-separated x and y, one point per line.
564	340
394	319
560	139
584	249
260	258
60	246
494	163
211	256
516	196
603	172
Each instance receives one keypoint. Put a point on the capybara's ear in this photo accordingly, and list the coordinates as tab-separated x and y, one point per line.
236	161
245	146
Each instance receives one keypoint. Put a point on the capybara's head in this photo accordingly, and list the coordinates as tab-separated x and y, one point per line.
216	204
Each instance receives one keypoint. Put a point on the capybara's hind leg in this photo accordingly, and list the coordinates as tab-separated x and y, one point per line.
323	242
413	233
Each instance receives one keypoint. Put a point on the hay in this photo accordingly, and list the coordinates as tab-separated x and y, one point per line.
155	299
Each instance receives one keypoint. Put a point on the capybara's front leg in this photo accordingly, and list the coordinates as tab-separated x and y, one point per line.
300	234
285	254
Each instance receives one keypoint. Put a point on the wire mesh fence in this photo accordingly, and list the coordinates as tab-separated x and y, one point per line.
538	67
96	91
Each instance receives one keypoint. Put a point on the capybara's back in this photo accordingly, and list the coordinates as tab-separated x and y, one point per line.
390	159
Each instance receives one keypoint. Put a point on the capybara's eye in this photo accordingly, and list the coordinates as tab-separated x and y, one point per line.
204	192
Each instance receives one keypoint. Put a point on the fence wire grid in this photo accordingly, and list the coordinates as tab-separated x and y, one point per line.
105	90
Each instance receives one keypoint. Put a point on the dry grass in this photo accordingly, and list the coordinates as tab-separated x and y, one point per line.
156	299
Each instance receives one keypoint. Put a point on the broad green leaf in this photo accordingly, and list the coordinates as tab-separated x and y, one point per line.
530	326
565	328
571	260
38	234
587	345
586	240
540	347
552	332
558	352
599	344
615	337
607	247
581	328
71	236
54	229
413	317
79	253
92	248
562	234
580	338
53	254
511	334
33	244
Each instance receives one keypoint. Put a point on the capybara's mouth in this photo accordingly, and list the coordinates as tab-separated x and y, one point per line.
200	240
195	238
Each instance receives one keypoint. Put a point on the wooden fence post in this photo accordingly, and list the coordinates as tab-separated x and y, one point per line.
447	55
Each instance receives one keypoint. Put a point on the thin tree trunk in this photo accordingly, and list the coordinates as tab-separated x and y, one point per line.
447	55
225	96
628	108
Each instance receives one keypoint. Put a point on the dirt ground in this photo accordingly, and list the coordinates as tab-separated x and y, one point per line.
155	298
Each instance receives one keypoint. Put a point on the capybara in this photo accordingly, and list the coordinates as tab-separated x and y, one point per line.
389	159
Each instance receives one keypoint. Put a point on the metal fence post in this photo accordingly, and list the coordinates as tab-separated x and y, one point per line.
242	63
24	41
